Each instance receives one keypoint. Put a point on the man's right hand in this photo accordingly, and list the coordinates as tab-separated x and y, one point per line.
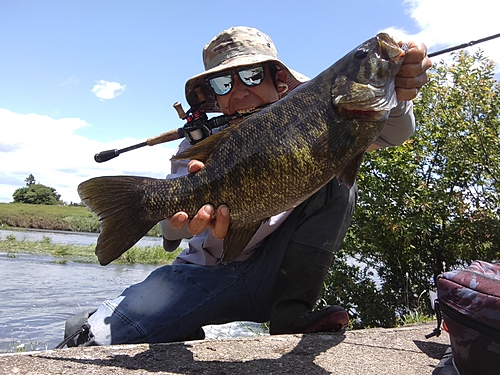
205	218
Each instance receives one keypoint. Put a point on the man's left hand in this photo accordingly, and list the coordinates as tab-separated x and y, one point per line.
217	221
412	75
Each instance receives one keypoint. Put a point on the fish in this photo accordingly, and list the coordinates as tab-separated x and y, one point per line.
268	163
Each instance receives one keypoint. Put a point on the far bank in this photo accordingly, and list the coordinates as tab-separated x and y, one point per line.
68	246
53	217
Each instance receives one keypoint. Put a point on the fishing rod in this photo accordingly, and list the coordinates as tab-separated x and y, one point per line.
199	127
464	45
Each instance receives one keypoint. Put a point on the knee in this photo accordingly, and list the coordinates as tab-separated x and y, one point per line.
325	217
332	201
340	195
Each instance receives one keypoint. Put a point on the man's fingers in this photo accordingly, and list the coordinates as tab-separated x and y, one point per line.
406	94
201	220
416	70
408	88
221	222
410	83
416	53
412	74
194	166
178	220
205	218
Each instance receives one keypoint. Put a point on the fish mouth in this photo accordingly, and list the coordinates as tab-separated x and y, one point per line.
390	49
376	91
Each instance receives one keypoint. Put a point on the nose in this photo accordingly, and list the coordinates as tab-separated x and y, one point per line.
240	90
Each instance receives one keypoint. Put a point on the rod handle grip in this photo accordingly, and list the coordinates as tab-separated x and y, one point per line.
171	135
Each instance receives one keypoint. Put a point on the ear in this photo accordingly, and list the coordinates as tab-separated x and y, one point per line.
280	78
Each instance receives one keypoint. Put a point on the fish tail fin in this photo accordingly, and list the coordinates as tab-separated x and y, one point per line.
119	202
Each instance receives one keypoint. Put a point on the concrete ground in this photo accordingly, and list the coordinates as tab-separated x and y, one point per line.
401	351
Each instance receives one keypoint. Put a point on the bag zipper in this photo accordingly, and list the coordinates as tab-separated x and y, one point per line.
484	329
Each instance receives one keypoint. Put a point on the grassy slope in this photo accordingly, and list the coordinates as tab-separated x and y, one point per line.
70	218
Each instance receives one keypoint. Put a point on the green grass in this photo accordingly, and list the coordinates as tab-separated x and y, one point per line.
22	345
64	253
415	316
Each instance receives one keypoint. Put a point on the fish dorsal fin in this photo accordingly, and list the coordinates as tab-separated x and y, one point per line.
348	175
237	238
203	150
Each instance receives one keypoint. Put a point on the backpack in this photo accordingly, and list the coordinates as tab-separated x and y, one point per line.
469	302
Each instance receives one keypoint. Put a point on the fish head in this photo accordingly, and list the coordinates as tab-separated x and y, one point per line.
365	78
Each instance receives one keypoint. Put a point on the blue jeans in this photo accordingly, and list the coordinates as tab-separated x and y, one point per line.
175	300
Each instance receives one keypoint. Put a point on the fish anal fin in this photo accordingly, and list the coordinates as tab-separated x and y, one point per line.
348	175
237	238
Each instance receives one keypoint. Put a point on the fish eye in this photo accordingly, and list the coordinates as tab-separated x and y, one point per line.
361	53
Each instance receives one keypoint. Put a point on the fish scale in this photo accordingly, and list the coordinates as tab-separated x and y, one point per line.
266	164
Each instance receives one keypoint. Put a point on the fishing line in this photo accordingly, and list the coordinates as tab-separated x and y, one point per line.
464	45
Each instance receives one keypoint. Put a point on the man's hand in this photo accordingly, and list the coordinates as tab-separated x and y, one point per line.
412	75
206	217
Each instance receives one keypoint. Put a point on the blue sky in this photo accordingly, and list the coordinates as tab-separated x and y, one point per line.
78	77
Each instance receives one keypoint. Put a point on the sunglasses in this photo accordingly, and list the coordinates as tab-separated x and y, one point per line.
222	83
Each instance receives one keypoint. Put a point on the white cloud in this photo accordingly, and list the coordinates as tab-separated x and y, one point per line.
58	157
108	90
71	81
447	23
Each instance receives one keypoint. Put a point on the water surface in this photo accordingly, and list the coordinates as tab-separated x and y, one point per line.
38	294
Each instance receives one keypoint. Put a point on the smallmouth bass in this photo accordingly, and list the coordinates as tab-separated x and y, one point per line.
266	164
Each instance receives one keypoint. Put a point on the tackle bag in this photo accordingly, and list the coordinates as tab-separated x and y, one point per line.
469	302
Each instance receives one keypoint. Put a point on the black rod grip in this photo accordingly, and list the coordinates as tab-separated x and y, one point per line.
106	155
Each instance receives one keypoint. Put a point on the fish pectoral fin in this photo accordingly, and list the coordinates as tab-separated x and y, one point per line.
336	140
202	150
348	175
237	238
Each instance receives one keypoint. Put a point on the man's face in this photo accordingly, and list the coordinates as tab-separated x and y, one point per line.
243	98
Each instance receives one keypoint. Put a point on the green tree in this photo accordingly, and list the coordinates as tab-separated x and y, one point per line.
429	205
36	194
30	180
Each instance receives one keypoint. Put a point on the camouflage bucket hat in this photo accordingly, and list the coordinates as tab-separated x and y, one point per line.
235	47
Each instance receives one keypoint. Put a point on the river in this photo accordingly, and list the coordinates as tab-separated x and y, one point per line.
38	293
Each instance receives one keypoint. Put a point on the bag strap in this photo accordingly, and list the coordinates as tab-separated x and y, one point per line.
439	316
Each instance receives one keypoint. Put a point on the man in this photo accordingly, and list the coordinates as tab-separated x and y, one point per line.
280	274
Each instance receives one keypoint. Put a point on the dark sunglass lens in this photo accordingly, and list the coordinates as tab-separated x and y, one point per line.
221	85
252	76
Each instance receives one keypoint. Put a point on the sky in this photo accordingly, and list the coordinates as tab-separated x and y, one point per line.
80	77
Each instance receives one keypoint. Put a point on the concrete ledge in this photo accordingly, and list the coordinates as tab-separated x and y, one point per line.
402	351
